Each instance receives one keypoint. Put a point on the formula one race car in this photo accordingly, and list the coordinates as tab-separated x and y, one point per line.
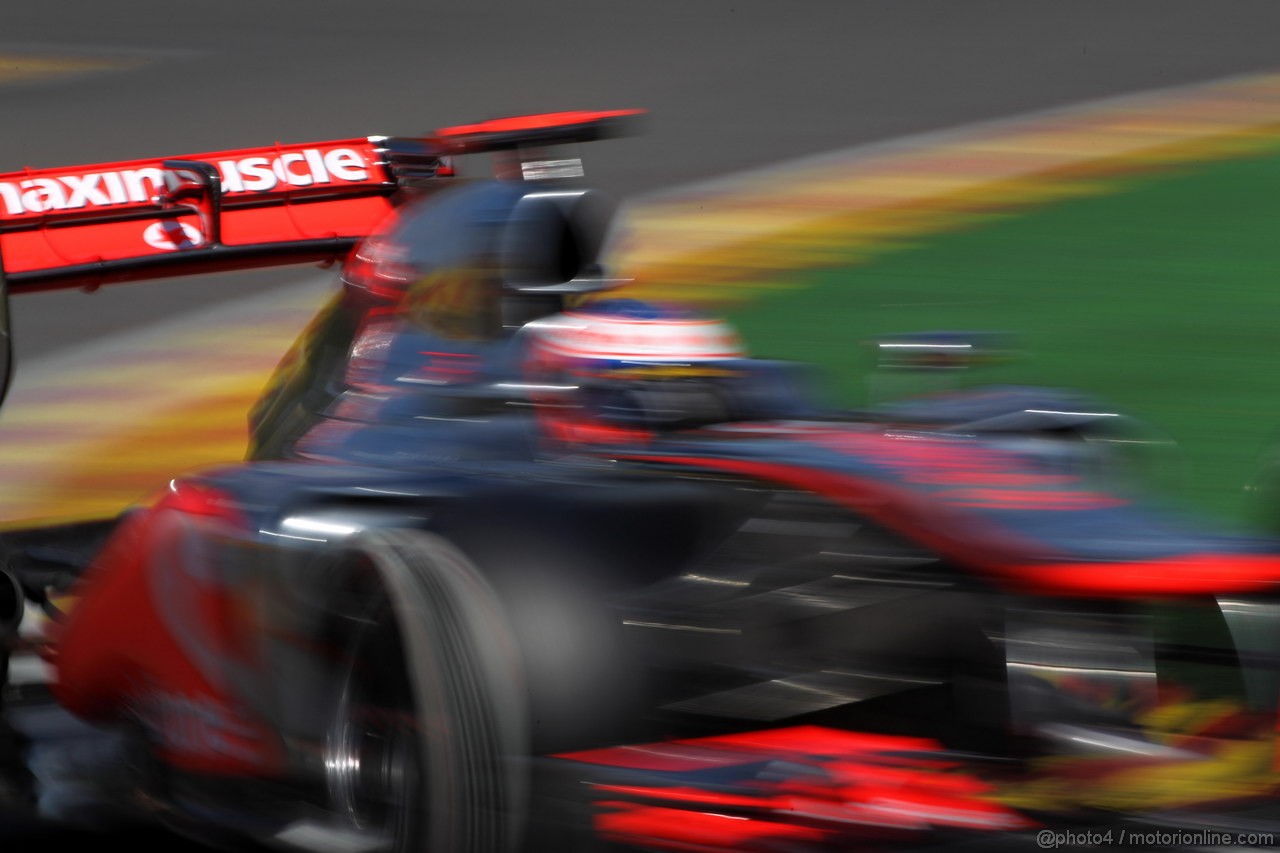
495	528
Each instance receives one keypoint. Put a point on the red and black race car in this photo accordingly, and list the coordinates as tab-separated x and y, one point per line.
498	537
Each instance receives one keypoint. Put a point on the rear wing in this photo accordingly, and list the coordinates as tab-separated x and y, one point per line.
101	224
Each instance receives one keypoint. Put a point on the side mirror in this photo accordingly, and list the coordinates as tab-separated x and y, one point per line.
941	350
913	363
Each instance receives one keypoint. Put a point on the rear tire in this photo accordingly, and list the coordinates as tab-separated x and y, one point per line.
428	735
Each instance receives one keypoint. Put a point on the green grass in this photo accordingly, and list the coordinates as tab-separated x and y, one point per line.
1163	299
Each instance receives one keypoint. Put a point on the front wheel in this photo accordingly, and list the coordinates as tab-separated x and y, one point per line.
428	727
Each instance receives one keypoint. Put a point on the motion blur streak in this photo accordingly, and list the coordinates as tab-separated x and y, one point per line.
130	411
719	241
64	454
32	67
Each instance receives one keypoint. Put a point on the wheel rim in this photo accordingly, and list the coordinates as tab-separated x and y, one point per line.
373	751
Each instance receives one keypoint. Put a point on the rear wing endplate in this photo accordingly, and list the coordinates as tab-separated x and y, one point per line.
129	221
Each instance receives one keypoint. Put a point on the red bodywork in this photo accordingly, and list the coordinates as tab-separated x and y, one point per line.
83	226
157	631
799	788
56	219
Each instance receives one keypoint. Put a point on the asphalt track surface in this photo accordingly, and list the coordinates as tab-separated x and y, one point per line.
732	85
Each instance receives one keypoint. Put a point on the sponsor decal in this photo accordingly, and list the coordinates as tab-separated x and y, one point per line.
170	236
139	184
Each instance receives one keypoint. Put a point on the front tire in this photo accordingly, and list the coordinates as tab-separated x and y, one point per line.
428	731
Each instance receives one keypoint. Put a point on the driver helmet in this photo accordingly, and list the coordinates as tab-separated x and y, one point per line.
623	369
